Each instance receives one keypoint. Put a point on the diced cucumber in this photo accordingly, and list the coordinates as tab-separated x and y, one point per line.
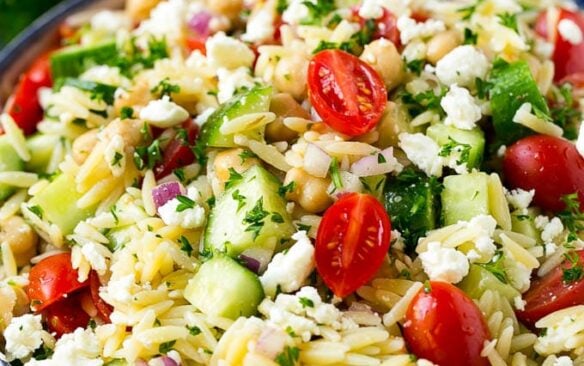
255	100
117	362
57	204
374	185
72	61
473	140
464	197
513	85
100	91
41	149
524	223
9	162
480	279
222	287
250	214
411	201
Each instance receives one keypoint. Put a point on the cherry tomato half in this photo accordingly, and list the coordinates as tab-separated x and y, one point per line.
178	153
444	326
51	279
196	43
347	93
351	243
550	165
24	106
66	315
568	58
552	293
385	26
104	310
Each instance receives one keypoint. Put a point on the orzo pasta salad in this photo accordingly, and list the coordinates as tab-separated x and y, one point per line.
298	182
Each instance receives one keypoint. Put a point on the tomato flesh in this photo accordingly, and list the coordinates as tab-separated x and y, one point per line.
347	93
351	243
51	280
568	58
551	166
24	106
104	310
66	315
551	293
178	153
445	326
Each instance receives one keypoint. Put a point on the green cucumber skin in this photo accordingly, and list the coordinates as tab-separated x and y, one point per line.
226	230
41	148
525	224
72	61
464	197
222	287
513	86
9	162
479	280
58	202
411	201
255	100
475	138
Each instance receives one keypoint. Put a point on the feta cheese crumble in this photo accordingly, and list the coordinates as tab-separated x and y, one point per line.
290	269
444	264
371	9
260	27
519	198
295	12
110	21
570	31
228	52
580	141
551	229
176	213
410	29
461	109
24	335
163	113
462	66
78	348
423	152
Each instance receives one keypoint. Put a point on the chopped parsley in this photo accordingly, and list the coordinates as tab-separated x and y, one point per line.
303	227
164	87
423	101
246	154
132	58
114	212
575	271
415	66
97	91
148	156
496	267
116	161
166	347
194	330
234	178
355	44
509	20
127	112
564	113
185	245
281	6
470	37
335	174
239	198
454	146
180	174
572	217
381	159
483	88
468	11
185	203
255	218
317	11
288	188
306	302
277	218
289	357
37	210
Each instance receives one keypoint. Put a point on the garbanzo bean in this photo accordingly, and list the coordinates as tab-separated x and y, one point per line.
309	192
283	105
21	238
83	145
139	10
382	55
441	44
231	159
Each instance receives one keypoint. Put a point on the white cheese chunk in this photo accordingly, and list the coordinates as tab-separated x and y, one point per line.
163	113
228	52
461	109
24	335
444	264
423	152
570	31
462	66
410	29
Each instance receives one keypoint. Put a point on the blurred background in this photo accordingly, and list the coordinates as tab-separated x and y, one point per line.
15	15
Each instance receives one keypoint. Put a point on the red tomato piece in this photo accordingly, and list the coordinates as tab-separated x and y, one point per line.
195	43
51	280
550	165
347	93
551	293
385	26
568	58
351	243
104	310
66	315
443	325
24	106
179	151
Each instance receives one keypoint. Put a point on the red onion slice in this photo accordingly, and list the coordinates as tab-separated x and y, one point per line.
168	361
167	191
380	163
256	259
199	23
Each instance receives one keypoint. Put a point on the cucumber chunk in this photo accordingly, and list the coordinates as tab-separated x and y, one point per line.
479	280
524	223
250	214
473	140
72	61
9	162
411	201
255	100
41	149
222	287
513	85
374	185
57	204
464	197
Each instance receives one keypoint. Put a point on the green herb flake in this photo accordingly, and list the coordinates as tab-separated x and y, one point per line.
166	347
37	210
185	203
246	154
234	178
289	357
164	87
194	330
255	218
127	112
277	218
454	146
288	188
239	198
497	267
281	6
306	302
509	20
572	271
317	11
116	161
470	37
335	174
415	66
185	245
572	217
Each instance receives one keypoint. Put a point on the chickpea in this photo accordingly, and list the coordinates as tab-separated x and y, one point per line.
83	145
139	10
309	192
21	238
129	129
386	60
441	44
228	8
139	95
231	159
290	75
283	105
